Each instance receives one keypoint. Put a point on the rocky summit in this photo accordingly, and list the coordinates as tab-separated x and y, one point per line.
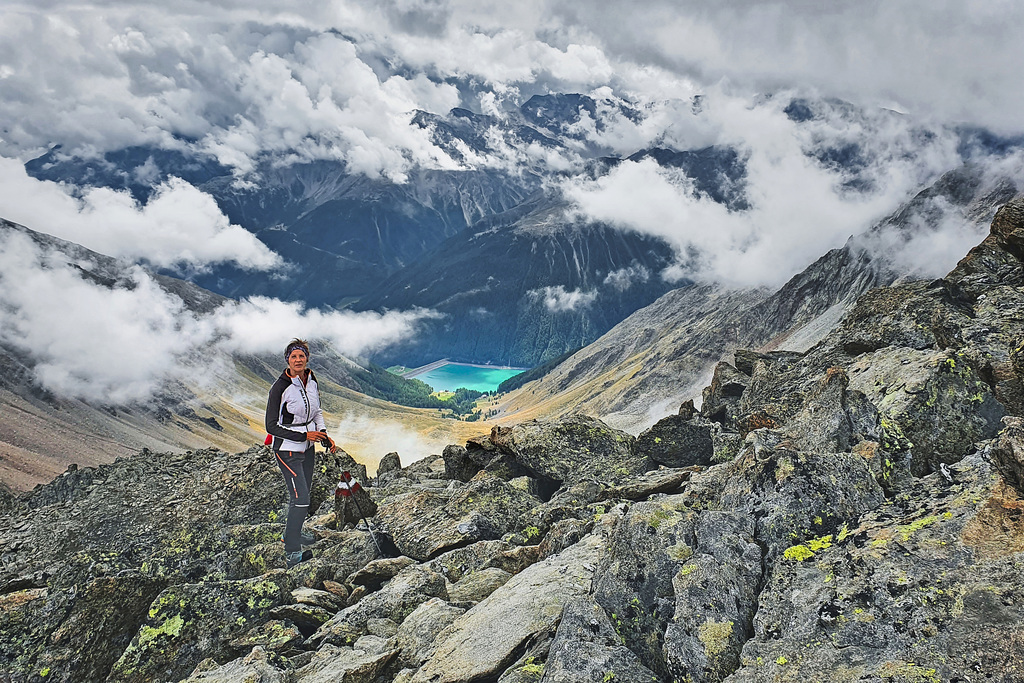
854	512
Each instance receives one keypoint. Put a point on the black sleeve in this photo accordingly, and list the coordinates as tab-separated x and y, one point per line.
274	411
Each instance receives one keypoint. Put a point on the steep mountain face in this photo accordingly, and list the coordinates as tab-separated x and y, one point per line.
343	232
717	172
852	512
348	233
524	286
453	240
643	368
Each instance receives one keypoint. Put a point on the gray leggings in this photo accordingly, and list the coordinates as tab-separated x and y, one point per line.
297	468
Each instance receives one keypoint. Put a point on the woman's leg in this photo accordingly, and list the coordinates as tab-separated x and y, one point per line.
292	466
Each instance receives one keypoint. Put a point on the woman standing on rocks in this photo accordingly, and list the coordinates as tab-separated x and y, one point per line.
296	423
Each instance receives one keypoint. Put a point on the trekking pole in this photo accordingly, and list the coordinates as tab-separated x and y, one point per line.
347	487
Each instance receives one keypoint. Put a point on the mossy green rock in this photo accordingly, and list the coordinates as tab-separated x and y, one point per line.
937	400
573	448
586	648
634	579
189	622
926	587
101	623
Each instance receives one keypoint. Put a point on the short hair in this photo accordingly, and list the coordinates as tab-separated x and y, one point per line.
296	344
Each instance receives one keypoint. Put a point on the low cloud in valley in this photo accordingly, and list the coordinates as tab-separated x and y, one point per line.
119	344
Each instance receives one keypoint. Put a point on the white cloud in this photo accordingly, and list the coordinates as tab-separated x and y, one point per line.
937	233
252	81
799	207
339	79
624	278
559	300
321	101
179	226
107	345
952	58
352	334
120	344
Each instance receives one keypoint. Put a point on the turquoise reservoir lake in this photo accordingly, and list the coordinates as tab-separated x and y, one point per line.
451	376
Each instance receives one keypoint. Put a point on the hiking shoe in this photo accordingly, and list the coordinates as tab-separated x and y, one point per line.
297	557
305	539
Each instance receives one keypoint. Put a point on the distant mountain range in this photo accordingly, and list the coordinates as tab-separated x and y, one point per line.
517	277
524	281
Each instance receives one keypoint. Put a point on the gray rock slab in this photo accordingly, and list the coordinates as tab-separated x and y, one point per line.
375	573
333	664
395	601
676	441
586	649
484	641
476	586
418	632
253	668
318	598
665	480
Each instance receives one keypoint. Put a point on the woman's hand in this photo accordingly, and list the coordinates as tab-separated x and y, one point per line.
317	437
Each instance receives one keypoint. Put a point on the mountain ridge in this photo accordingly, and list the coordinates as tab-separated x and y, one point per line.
639	358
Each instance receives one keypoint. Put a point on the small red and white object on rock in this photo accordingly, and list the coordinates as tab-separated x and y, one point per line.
347	485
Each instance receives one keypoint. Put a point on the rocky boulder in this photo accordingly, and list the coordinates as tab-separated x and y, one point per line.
586	648
418	632
101	623
1007	452
389	463
259	666
936	400
633	582
676	441
923	588
347	664
426	523
572	449
721	398
395	601
795	495
716	594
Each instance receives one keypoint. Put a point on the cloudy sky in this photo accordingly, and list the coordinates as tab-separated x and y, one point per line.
244	81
